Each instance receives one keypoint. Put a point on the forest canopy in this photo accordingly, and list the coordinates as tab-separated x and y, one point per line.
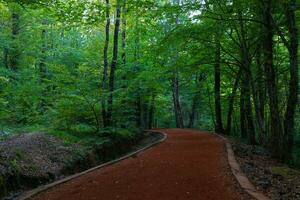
95	66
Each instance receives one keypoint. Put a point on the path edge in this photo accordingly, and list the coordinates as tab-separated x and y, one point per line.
27	195
240	176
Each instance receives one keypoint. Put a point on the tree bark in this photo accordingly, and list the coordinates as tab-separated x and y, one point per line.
43	68
246	80
14	53
151	112
231	103
124	101
259	100
105	64
176	101
42	65
113	65
243	128
5	58
294	79
124	24
275	121
193	112
138	113
217	88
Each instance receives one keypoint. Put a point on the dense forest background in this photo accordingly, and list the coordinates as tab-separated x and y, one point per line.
101	67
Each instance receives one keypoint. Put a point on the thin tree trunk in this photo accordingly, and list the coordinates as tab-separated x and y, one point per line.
231	103
193	112
294	79
176	101
124	24
243	128
14	53
42	65
124	102
151	112
217	88
43	68
195	101
113	65
105	64
5	58
138	113
249	113
136	56
145	115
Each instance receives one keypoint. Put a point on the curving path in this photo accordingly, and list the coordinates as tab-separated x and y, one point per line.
189	165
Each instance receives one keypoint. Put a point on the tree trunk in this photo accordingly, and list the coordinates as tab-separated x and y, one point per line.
105	64
124	101
275	121
14	52
124	24
231	103
5	58
151	112
176	101
195	100
113	65
42	65
138	113
248	109
217	88
247	80
259	95
193	112
246	84
43	69
294	79
243	128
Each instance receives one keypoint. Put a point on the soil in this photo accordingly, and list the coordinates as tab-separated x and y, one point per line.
275	179
28	160
34	155
189	165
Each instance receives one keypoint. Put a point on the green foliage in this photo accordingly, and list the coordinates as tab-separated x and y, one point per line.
58	52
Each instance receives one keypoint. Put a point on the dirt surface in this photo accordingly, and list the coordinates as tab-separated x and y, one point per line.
188	165
276	180
34	155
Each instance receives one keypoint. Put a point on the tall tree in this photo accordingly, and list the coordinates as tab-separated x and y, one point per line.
176	100
231	102
14	53
105	64
290	9
217	87
113	65
270	73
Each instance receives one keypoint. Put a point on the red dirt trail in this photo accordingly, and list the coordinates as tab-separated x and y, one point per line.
189	165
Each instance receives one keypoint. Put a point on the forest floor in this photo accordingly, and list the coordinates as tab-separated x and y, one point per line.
30	159
188	165
275	179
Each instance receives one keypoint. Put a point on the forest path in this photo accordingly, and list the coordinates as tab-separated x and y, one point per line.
189	165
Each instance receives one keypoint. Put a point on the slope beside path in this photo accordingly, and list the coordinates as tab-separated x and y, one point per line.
189	165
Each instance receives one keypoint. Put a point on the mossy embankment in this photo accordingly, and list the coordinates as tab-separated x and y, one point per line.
30	160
